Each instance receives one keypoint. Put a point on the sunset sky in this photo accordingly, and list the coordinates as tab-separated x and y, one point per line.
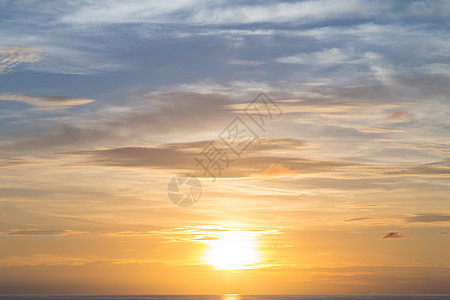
345	189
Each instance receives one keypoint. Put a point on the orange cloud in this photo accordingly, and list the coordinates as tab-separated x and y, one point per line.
277	170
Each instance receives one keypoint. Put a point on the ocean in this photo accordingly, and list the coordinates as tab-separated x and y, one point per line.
224	297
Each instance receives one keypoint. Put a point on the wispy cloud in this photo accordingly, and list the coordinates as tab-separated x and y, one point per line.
198	233
56	102
325	57
37	232
12	57
227	13
245	62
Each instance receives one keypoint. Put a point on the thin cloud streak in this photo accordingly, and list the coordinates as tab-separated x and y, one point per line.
36	232
45	101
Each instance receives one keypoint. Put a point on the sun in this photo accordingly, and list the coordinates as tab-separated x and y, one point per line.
232	250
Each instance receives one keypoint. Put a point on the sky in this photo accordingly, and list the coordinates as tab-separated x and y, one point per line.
343	189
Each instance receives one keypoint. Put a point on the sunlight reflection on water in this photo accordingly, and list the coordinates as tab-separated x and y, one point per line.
231	297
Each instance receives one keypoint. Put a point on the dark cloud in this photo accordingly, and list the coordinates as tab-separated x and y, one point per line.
428	218
65	137
357	219
181	156
14	161
393	235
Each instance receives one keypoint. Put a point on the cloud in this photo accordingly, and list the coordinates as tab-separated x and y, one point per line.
331	25
403	170
245	62
114	12
361	206
323	57
269	145
283	246
203	12
45	101
48	259
199	233
35	232
206	238
322	115
181	156
12	57
358	219
379	129
59	58
399	115
277	170
209	231
428	218
65	137
393	235
265	157
164	156
129	233
319	106
162	114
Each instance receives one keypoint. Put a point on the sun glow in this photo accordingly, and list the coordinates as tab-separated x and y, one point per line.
232	250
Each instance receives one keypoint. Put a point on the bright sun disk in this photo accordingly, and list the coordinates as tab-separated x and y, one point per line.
232	250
